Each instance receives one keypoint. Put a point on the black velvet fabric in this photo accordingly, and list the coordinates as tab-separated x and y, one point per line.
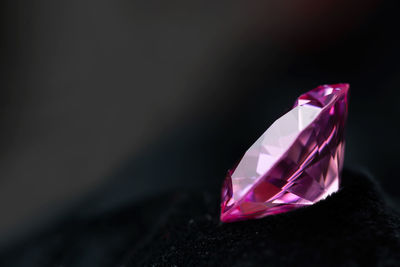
356	226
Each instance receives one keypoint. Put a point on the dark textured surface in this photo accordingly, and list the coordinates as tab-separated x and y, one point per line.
354	227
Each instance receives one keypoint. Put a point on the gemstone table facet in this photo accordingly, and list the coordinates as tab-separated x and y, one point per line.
295	163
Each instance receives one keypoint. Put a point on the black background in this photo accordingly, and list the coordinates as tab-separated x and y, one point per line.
113	102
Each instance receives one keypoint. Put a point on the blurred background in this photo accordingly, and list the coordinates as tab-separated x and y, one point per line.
111	102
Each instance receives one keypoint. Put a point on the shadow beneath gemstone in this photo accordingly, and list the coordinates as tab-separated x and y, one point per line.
352	226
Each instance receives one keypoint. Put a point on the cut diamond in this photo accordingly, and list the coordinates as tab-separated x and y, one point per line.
295	163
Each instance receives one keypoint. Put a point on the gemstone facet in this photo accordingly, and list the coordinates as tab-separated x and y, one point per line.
295	163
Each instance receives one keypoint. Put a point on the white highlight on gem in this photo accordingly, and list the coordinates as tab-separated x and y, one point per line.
271	146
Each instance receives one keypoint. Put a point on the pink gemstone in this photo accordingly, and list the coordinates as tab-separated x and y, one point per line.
296	162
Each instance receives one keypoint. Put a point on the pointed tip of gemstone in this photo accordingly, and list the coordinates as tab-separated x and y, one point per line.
295	163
